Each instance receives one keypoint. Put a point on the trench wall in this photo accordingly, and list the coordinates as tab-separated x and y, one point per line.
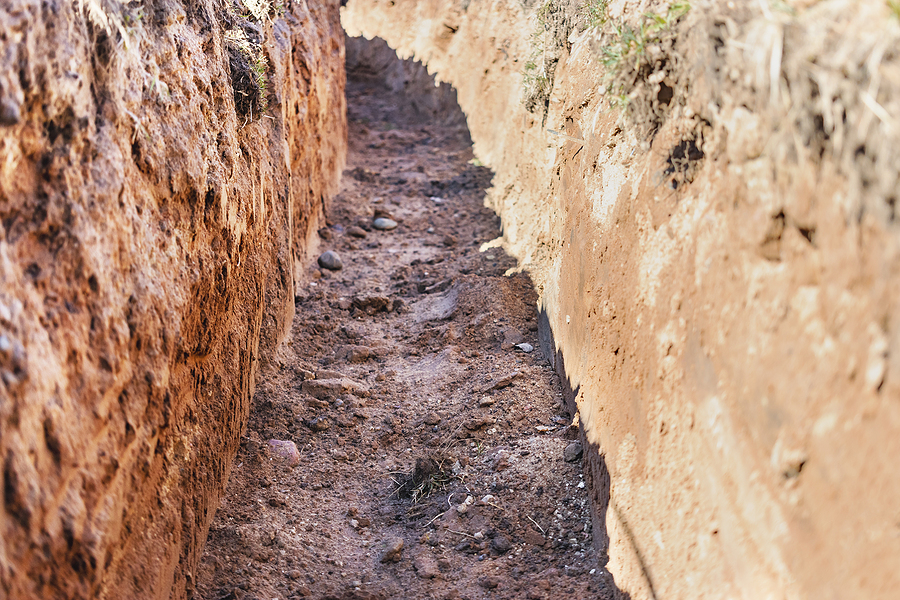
719	278
150	230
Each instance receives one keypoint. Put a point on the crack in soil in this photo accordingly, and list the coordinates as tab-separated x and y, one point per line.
415	474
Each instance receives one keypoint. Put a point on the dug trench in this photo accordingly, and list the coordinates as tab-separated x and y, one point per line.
410	440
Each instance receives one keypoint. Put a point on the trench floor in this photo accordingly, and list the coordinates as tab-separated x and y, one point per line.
406	391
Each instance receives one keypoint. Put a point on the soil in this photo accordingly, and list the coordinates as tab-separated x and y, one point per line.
431	435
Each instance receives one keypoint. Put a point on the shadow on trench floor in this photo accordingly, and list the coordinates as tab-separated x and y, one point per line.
411	440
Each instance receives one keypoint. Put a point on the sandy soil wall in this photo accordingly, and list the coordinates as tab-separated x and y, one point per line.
153	212
718	265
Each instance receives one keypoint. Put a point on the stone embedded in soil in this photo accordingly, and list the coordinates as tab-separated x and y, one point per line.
501	544
533	537
573	452
393	549
499	383
357	232
327	389
331	261
384	224
426	567
373	304
486	401
285	451
318	424
525	347
432	418
477	423
354	353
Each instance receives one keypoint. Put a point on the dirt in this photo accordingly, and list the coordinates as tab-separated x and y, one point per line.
706	208
148	236
430	431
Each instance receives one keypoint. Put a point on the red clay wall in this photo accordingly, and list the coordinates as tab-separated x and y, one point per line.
149	234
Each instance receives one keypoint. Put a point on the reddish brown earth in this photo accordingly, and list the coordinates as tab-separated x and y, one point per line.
404	392
149	226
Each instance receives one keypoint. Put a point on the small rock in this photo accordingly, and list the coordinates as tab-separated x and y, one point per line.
295	574
318	424
573	452
357	232
393	548
477	423
525	347
384	224
330	260
425	567
364	521
500	382
326	389
501	544
285	451
373	304
340	455
354	523
316	403
486	401
432	418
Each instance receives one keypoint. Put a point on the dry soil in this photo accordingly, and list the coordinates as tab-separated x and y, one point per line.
413	383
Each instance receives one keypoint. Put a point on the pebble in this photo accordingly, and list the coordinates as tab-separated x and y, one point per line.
432	418
573	452
357	232
393	548
525	347
330	260
384	224
486	401
284	450
318	424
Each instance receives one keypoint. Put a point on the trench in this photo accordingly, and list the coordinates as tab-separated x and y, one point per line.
410	440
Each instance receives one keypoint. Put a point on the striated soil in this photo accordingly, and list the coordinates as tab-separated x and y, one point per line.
405	393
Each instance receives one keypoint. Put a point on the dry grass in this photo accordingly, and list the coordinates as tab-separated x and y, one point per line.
826	80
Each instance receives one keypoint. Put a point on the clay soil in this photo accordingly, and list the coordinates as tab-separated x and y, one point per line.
406	391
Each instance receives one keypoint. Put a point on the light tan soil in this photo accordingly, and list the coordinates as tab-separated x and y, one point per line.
416	327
